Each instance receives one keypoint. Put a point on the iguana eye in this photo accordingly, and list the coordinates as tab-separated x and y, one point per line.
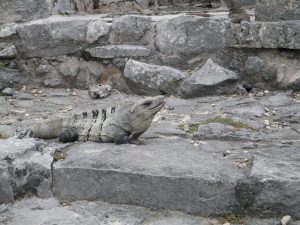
147	104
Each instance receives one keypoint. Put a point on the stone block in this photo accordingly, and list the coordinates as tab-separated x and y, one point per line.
24	10
158	78
131	29
186	35
117	51
54	36
285	34
162	174
278	187
277	10
209	79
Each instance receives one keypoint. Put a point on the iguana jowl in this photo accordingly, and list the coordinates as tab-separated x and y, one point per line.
121	124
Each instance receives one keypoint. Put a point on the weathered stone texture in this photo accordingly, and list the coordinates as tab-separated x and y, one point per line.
94	172
116	51
279	185
96	30
283	34
131	29
277	10
160	78
185	35
208	80
73	5
54	36
11	78
294	82
24	10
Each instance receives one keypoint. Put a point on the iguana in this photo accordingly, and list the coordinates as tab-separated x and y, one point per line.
121	124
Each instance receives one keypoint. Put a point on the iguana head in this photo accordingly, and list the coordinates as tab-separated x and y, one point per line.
143	112
148	107
130	119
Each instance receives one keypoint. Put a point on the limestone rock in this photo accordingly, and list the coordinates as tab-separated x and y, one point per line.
70	67
282	34
94	172
160	78
279	186
116	51
294	82
60	36
14	180
190	35
24	10
8	52
254	65
10	78
6	189
210	79
8	30
214	131
96	30
277	10
130	29
73	5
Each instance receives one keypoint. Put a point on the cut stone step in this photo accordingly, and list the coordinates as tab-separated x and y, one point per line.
50	211
166	173
115	51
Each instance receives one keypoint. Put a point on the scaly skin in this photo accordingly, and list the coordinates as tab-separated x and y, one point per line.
121	124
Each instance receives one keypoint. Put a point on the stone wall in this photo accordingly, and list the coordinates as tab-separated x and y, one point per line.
277	10
24	10
194	52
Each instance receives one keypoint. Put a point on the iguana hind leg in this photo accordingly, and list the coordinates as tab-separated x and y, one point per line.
69	134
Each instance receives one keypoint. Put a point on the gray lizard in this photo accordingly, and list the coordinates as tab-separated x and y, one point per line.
121	124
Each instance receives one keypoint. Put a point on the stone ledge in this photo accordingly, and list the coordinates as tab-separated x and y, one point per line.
115	51
164	174
284	34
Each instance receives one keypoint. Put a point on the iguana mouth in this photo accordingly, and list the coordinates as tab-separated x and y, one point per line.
158	106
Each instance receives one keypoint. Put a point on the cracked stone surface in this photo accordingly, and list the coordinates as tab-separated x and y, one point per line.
50	211
221	167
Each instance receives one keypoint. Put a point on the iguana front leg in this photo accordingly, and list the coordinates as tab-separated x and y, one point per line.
132	139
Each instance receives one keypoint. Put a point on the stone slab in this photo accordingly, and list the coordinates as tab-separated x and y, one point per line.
277	10
278	185
284	34
24	10
158	78
208	80
54	36
185	35
114	51
164	173
50	211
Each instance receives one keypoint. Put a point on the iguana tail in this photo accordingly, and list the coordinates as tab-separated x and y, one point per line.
46	129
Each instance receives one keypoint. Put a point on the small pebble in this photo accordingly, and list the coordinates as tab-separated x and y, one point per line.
267	122
186	127
226	153
7	92
266	92
285	220
266	114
